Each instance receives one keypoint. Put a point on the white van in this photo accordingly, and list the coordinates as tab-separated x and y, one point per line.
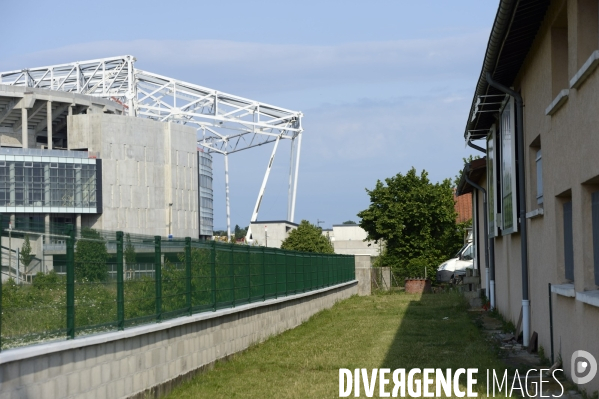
454	269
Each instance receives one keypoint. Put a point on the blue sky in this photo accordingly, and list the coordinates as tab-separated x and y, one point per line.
383	85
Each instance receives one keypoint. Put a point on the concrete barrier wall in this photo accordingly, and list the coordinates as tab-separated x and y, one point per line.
364	274
151	359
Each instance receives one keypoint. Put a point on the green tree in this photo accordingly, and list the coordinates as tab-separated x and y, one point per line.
239	232
25	254
91	256
417	221
456	179
349	222
308	238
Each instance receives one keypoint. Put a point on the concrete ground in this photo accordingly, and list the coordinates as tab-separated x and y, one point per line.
518	358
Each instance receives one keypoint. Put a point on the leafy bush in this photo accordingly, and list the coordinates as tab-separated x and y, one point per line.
91	256
44	280
308	238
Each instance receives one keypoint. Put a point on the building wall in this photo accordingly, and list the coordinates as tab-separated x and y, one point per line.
277	231
478	214
569	143
463	207
349	239
146	166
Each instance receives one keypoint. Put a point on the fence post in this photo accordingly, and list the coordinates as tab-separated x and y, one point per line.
249	260
232	271
1	232
263	275
120	289
70	282
213	273
158	277
188	273
288	258
276	270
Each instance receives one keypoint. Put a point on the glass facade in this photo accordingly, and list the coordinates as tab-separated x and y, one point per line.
205	205
42	181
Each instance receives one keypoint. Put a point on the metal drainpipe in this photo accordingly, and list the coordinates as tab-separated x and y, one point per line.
490	243
472	145
522	204
491	286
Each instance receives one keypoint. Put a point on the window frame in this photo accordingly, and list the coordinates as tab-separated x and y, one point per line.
595	230
492	187
539	166
508	168
568	240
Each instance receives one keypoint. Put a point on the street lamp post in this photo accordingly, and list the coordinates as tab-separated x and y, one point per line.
266	236
10	250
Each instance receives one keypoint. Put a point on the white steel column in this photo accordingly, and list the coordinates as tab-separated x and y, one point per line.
131	91
290	180
262	188
49	123
24	125
227	196
297	161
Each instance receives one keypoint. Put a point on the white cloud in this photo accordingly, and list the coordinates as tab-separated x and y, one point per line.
243	67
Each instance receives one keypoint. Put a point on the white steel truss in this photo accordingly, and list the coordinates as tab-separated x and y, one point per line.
225	123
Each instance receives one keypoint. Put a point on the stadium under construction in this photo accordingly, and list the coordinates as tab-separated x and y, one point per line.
105	145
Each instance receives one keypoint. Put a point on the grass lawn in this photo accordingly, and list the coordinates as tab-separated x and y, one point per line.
387	330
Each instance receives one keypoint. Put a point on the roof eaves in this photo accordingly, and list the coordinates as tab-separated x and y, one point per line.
514	29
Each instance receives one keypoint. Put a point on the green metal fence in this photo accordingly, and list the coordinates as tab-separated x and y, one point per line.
90	281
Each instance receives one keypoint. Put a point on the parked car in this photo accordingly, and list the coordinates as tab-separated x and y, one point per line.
454	269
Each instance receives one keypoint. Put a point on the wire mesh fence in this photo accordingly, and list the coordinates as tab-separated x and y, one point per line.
86	281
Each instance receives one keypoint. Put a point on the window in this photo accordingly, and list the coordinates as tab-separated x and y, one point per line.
595	222
468	253
539	162
509	202
568	241
44	184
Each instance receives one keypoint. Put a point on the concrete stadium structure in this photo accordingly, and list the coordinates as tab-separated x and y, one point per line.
76	158
206	197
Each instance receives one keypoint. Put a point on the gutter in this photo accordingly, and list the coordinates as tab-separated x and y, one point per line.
490	272
501	26
521	202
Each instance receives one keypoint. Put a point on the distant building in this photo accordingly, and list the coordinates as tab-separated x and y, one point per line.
270	233
463	206
348	239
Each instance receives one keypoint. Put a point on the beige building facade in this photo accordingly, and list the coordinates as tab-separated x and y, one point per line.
543	170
